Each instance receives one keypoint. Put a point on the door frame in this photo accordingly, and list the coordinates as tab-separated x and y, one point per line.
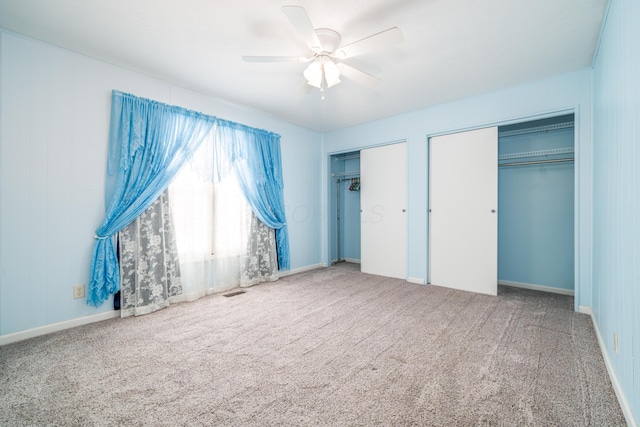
577	195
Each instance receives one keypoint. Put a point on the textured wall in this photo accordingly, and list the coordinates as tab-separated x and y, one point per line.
616	193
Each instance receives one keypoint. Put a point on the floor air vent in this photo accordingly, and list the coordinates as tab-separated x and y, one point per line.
233	294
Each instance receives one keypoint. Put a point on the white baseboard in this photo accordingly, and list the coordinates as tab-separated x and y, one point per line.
622	399
585	309
416	280
55	327
301	269
536	287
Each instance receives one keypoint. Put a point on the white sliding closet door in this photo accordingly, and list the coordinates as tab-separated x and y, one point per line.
383	200
463	222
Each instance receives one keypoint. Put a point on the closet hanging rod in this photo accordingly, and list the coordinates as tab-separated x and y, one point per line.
535	129
352	156
352	173
537	162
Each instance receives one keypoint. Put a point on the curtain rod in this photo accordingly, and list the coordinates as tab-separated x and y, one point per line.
537	162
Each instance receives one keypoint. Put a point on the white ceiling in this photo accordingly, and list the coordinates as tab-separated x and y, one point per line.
452	48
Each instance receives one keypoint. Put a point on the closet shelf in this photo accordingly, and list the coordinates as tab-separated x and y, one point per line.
352	173
352	156
538	153
536	129
537	162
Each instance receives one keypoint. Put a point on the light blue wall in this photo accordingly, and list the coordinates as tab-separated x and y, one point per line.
568	93
55	108
616	193
536	213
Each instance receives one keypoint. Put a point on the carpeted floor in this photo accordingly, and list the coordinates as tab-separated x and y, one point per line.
329	347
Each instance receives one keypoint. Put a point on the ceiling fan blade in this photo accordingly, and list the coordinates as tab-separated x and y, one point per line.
301	22
275	59
357	76
377	41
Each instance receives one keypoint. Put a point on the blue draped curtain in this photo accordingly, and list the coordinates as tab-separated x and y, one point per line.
148	143
253	155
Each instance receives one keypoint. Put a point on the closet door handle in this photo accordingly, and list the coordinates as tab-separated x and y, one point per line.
404	210
493	211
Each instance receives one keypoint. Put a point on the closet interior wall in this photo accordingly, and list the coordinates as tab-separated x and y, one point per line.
345	225
536	204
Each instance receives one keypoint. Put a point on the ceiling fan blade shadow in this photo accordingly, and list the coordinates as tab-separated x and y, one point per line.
301	22
297	59
358	76
377	41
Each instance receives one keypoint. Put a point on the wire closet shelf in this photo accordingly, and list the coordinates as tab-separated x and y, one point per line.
537	153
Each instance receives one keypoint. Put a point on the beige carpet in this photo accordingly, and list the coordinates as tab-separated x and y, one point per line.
330	347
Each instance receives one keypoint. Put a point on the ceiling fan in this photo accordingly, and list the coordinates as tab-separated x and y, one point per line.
326	66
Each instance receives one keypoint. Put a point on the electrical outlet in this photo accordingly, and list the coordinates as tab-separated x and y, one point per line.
78	291
615	342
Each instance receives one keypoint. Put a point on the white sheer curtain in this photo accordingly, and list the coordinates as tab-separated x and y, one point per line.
221	244
149	265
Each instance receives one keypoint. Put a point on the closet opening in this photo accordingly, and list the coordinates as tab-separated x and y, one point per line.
536	204
344	208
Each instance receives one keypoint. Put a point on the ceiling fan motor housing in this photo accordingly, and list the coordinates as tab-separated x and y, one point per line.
329	39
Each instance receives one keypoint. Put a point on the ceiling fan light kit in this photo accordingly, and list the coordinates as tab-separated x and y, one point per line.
313	74
323	71
331	72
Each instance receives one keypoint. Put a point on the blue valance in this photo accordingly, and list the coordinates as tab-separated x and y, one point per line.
148	143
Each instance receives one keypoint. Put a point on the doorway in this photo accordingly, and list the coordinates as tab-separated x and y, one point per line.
536	205
534	163
344	208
